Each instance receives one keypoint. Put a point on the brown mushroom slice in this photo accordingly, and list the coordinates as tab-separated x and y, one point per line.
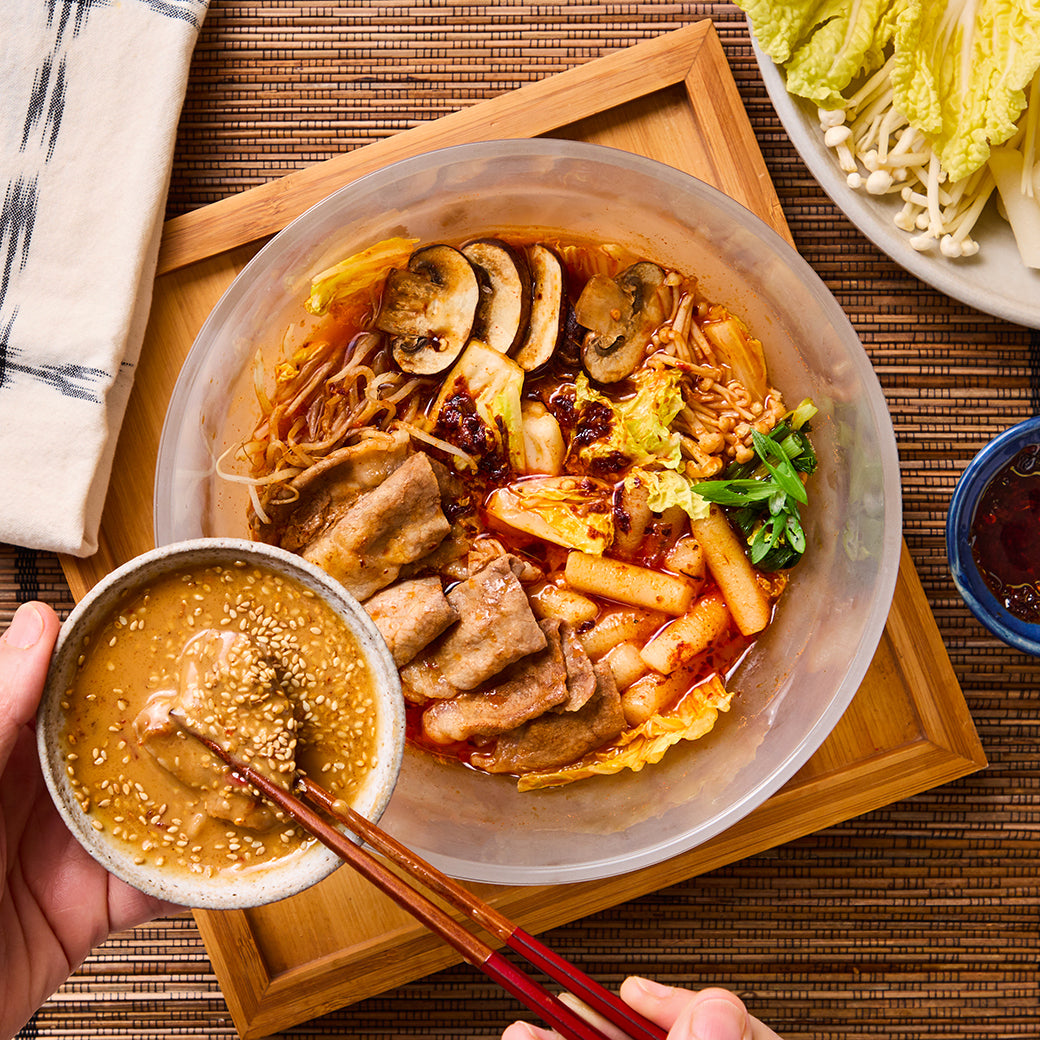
505	293
628	314
548	317
429	308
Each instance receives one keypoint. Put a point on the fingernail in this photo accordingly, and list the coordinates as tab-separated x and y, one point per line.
716	1019
25	629
653	989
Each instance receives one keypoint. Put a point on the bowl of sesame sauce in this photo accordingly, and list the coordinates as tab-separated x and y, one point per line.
992	540
258	650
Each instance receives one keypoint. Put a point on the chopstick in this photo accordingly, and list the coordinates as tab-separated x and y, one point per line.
601	1000
473	949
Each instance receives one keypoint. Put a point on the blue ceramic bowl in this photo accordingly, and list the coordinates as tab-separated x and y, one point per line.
972	586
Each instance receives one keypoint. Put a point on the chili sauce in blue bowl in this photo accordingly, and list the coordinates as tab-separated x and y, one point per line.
993	536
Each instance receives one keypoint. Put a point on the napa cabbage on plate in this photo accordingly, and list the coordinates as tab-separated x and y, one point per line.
914	97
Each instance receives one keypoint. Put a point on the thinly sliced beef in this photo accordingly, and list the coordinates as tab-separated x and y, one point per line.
483	550
496	627
227	691
422	681
555	739
581	677
395	524
322	493
447	559
410	615
527	689
455	495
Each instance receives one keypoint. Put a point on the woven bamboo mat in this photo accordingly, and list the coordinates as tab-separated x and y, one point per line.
918	920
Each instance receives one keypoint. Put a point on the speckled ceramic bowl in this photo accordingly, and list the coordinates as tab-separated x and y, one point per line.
972	586
225	889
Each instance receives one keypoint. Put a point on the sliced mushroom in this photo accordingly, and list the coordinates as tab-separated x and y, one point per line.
621	316
505	293
548	318
429	308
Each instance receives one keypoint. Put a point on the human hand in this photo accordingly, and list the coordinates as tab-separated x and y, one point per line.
56	902
711	1014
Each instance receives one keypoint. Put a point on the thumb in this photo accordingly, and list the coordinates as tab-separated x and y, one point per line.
711	1014
25	654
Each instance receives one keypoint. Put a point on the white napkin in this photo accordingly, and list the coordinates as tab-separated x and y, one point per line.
92	91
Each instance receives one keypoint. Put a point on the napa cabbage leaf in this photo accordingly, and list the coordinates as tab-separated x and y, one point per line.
640	425
575	512
960	74
358	272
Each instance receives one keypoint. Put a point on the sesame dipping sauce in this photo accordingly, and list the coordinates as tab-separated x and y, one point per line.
254	660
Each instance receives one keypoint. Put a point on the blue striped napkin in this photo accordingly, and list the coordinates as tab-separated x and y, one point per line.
92	91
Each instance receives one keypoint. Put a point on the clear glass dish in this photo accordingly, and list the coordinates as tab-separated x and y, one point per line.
802	673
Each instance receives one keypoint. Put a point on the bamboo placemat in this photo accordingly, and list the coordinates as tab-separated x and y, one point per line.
918	920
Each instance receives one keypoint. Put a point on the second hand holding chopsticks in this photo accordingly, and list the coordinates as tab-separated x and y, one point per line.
473	949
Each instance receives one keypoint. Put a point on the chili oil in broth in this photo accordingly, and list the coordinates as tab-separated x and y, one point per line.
347	328
553	386
136	653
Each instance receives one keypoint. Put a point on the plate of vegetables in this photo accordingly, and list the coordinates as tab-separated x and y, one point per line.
921	124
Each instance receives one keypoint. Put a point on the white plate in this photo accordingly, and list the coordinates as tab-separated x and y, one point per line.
994	280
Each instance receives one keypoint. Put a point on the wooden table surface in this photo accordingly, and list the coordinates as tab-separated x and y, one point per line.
921	919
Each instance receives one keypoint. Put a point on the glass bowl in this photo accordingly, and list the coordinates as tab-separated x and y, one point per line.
225	889
981	601
802	673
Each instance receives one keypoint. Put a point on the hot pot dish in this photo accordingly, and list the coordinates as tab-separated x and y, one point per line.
556	476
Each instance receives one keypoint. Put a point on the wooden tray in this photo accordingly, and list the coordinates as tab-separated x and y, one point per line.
908	728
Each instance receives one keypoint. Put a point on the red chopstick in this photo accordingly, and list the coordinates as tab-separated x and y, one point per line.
601	1000
473	949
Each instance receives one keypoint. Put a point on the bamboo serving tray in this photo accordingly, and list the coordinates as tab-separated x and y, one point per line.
908	728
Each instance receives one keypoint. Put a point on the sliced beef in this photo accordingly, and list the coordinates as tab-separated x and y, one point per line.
397	523
446	559
322	493
456	497
410	615
527	689
557	739
422	681
496	627
484	550
581	677
229	692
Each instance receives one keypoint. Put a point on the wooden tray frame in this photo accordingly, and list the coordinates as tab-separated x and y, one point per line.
908	729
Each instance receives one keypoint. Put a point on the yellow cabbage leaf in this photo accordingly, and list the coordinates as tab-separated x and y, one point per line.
574	512
358	272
